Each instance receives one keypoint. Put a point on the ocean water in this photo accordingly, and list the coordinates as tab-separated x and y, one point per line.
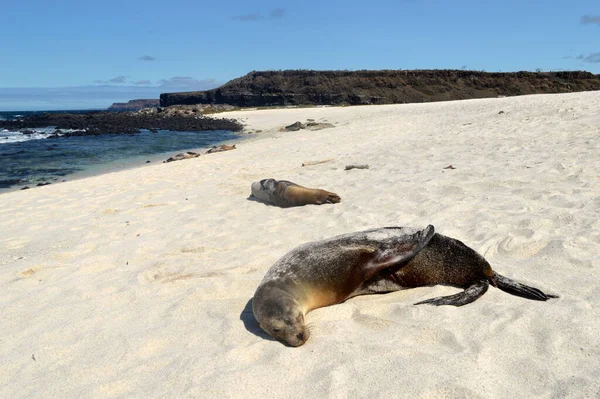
31	159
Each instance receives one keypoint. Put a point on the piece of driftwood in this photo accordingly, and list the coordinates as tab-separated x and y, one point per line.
316	162
348	167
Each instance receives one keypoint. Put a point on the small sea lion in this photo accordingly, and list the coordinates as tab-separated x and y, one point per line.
330	271
183	155
285	194
221	148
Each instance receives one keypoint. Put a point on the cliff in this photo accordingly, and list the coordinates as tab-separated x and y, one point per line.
304	87
133	105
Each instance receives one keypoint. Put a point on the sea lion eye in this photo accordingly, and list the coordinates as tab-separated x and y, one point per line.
276	330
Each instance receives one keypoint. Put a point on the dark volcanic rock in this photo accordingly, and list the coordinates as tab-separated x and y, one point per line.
94	123
187	110
277	88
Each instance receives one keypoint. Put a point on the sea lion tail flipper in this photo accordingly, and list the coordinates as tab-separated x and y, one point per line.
522	290
332	198
469	295
400	252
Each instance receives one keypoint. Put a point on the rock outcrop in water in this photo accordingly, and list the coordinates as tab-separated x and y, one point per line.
304	87
133	105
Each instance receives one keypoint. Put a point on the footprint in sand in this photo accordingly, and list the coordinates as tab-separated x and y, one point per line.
372	322
27	272
154	205
163	274
111	211
171	274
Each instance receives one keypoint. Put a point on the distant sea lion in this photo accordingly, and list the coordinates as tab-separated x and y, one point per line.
190	154
330	271
284	193
182	156
221	148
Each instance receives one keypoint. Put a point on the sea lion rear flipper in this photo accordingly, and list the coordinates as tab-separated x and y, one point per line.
522	290
469	295
328	198
400	253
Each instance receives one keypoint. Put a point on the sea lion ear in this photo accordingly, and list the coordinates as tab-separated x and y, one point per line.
400	251
427	234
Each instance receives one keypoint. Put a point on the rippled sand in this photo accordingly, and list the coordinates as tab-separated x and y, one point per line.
136	283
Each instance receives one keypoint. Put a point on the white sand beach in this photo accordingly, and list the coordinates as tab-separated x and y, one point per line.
136	284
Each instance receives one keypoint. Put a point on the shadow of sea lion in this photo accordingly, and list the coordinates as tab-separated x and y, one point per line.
254	199
250	323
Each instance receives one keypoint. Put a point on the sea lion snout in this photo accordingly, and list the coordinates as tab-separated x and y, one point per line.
294	335
299	340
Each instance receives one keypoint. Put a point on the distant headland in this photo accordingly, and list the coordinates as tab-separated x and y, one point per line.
134	105
307	87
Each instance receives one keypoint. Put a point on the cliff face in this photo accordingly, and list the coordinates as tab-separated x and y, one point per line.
302	87
134	105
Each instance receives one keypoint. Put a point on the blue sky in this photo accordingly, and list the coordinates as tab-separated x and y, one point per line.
83	54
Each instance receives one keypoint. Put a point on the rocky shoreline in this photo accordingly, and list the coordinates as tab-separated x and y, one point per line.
95	123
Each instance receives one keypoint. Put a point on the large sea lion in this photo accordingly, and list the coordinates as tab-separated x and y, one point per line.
330	271
285	194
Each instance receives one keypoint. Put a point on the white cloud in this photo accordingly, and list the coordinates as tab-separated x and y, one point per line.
276	13
186	83
588	19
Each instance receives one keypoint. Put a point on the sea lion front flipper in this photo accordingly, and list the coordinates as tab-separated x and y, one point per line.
469	295
399	253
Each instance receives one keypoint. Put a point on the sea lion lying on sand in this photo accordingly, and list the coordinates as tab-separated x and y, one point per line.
221	148
330	271
285	194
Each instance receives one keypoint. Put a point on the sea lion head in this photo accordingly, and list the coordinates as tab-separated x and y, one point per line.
268	185
280	315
